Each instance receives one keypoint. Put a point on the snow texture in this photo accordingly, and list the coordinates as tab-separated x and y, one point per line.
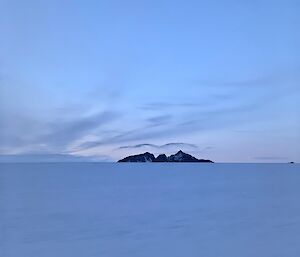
149	210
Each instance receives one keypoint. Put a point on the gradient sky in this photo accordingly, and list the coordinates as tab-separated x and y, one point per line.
104	79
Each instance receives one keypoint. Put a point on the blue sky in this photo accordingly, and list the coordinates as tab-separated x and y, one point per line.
104	79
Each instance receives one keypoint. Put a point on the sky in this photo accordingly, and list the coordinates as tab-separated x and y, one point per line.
99	80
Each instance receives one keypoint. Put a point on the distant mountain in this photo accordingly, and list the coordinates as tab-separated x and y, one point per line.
184	157
144	157
178	157
161	158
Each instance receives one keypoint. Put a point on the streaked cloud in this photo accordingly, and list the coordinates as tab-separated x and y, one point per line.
64	132
159	120
159	146
51	158
271	158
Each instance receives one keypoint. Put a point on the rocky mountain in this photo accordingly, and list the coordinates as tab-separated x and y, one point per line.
148	157
144	157
161	158
184	157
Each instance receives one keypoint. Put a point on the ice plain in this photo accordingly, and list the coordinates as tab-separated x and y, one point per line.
149	210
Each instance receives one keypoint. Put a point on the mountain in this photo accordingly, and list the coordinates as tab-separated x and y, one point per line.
144	157
161	158
184	157
178	157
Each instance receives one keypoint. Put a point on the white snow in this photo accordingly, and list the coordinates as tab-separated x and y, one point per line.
149	210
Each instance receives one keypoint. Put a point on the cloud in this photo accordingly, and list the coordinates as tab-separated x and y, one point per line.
240	110
159	146
166	105
229	104
179	145
138	146
271	158
50	158
23	134
159	120
283	77
43	119
17	130
195	101
207	148
64	132
187	123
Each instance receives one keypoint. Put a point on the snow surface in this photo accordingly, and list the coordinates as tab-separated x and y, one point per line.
149	210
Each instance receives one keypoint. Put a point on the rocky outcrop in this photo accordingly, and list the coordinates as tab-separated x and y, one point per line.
178	157
184	157
161	158
145	157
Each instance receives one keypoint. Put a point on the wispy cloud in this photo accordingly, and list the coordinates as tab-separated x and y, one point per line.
166	105
195	121
51	158
26	133
160	119
271	158
159	146
64	132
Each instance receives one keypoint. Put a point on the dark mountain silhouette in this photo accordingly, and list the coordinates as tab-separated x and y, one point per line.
144	157
184	157
178	157
161	158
